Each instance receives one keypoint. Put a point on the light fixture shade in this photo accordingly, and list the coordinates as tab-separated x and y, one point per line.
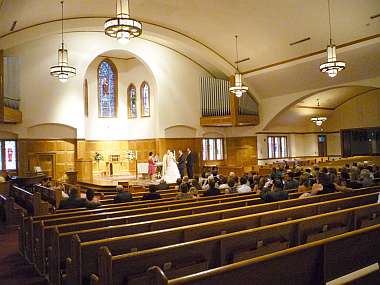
63	71
332	66
238	89
318	120
123	28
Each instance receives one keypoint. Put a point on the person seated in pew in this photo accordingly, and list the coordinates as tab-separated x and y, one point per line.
195	183
194	191
304	184
315	189
223	183
178	183
290	182
185	180
46	182
152	195
276	193
232	187
163	185
329	184
184	192
211	190
365	178
74	200
122	195
244	187
91	201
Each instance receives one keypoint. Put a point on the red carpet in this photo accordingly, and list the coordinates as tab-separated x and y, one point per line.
14	270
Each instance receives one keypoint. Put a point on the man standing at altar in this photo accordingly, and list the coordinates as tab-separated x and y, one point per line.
181	162
189	163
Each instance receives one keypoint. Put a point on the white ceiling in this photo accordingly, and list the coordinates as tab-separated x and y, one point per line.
265	29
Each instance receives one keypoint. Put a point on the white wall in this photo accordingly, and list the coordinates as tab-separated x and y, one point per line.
46	100
129	71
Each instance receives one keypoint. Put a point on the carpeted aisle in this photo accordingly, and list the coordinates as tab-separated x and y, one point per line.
14	270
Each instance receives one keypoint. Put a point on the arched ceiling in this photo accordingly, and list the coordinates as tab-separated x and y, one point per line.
298	114
265	28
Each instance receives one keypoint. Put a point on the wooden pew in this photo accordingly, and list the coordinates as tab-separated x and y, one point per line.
10	212
51	195
200	255
35	230
29	201
314	263
45	234
83	248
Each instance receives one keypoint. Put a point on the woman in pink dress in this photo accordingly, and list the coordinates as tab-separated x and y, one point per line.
151	166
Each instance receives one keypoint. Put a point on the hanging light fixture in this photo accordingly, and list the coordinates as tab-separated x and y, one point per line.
332	66
318	120
238	89
63	71
123	28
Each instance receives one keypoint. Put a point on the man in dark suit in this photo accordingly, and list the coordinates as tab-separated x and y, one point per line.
122	195
181	163
189	163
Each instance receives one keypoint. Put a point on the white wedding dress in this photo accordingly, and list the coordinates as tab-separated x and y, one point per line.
171	173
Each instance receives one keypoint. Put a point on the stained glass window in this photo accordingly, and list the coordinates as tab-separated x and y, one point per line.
132	102
10	155
145	99
107	89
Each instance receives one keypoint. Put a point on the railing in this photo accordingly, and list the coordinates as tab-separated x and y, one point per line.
11	103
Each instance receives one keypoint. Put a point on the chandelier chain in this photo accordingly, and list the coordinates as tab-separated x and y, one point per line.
328	3
237	54
62	22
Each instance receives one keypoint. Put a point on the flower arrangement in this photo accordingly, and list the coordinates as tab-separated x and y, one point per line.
131	155
98	156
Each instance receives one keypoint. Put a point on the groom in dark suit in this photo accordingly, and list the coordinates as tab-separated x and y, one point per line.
181	162
189	163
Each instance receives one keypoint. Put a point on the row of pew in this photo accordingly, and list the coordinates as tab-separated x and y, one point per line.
118	243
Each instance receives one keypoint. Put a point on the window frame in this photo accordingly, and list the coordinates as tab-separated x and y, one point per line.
207	158
129	101
3	155
142	100
116	84
280	147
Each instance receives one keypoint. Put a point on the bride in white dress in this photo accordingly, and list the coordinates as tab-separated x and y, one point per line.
169	168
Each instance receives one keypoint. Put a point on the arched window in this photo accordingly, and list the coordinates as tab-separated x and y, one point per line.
132	102
107	89
145	99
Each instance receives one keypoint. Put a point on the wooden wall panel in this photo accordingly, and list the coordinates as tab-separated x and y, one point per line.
241	151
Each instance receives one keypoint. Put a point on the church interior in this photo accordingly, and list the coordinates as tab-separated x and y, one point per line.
189	142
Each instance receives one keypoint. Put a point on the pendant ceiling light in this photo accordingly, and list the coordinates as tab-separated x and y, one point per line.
63	71
238	89
123	28
318	120
332	66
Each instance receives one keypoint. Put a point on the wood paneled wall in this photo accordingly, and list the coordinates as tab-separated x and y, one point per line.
56	156
72	154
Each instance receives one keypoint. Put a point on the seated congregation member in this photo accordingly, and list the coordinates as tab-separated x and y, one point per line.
276	193
122	195
315	189
163	185
152	195
244	187
329	185
184	192
74	200
194	191
304	184
194	183
232	188
178	183
91	201
186	180
211	190
46	182
290	182
365	178
223	183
